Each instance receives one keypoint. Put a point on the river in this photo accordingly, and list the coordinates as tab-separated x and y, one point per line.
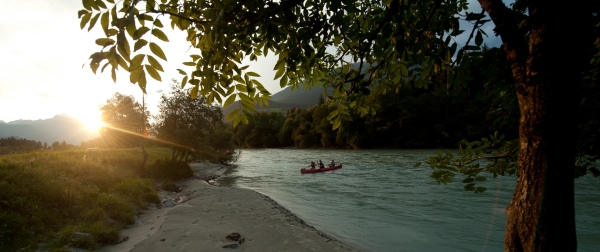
378	201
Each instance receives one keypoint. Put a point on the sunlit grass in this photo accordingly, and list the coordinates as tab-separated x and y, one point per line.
49	197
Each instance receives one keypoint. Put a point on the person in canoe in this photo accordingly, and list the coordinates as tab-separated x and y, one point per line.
312	164
332	163
321	165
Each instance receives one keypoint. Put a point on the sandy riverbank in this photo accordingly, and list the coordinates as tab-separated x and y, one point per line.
201	216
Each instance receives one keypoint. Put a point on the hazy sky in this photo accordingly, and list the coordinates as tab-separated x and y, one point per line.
42	52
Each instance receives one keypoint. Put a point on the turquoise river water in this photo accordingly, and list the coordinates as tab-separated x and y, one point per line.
378	201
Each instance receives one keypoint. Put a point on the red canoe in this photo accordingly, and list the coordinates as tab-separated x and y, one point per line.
309	170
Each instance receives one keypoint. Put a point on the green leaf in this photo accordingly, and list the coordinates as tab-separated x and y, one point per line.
194	91
155	63
332	115
157	23
480	179
159	34
140	32
284	81
104	22
157	51
112	32
135	75
481	189
403	70
152	72
469	187
468	180
87	4
184	81
85	19
238	79
113	74
136	62
104	42
94	5
121	62
101	4
478	39
253	74
279	73
232	114
139	44
417	164
229	100
142	81
337	123
93	21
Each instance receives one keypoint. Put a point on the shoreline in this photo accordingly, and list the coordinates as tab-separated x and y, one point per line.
205	217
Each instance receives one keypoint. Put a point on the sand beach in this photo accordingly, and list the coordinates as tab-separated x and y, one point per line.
204	217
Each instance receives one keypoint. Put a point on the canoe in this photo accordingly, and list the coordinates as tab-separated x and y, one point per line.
309	170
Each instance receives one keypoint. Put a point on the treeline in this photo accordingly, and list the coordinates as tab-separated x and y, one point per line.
14	145
410	118
441	115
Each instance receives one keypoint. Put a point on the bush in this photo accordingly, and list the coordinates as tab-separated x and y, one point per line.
117	208
138	191
170	186
170	170
102	232
46	197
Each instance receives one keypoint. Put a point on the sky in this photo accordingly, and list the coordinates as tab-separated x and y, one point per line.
43	50
44	70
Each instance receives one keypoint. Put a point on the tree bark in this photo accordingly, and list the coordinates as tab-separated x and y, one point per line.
547	68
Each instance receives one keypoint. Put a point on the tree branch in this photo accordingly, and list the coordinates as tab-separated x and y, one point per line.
495	158
471	35
177	15
507	28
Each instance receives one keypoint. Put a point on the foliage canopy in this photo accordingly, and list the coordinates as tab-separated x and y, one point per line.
366	47
316	42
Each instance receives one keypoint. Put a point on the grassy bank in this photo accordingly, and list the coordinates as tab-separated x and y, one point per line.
76	198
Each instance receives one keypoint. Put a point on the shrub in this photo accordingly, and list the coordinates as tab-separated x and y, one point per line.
117	208
170	170
170	186
46	197
102	232
138	191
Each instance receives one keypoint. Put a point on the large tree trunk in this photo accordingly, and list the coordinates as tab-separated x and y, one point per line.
547	71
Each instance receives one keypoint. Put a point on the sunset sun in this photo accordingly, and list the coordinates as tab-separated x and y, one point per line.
93	124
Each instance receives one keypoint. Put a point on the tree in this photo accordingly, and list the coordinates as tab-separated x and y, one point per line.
125	121
262	132
185	124
366	47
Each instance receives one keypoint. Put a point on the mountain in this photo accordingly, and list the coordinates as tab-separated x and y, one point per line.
284	100
301	96
59	128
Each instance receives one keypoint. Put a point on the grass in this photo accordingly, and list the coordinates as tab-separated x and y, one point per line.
76	198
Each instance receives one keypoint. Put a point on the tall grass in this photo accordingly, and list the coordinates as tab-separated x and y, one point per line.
53	197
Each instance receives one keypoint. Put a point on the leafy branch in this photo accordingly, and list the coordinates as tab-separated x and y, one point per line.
469	163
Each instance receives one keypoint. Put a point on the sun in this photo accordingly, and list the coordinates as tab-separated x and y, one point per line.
93	123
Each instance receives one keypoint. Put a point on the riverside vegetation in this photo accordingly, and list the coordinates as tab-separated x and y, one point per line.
79	198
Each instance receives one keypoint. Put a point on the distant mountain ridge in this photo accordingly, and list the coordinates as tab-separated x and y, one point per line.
59	128
298	98
286	99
